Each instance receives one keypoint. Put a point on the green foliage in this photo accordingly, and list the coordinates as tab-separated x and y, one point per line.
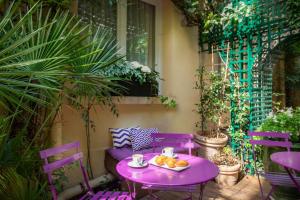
214	91
286	120
168	102
14	186
51	3
292	77
224	157
46	58
293	16
196	11
59	177
240	112
133	71
236	19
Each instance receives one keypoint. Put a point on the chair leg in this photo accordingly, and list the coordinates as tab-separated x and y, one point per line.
260	186
271	191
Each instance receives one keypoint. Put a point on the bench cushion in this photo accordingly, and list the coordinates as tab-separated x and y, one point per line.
121	136
142	138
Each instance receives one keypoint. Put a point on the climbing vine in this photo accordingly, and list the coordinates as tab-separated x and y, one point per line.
240	20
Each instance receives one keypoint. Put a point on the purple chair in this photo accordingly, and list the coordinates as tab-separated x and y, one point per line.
77	157
275	178
179	140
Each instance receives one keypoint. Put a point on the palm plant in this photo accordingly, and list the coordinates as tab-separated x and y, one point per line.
92	61
14	186
46	57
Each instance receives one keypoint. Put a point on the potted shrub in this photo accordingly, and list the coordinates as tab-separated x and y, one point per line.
213	104
136	79
285	120
229	167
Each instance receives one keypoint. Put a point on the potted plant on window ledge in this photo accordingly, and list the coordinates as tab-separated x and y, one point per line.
135	79
214	88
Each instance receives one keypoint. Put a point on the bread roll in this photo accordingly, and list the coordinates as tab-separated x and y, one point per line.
171	163
181	163
160	160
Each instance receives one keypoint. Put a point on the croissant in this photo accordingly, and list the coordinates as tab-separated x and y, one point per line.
169	159
160	160
171	163
181	163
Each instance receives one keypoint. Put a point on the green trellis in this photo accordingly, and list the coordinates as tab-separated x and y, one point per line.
250	62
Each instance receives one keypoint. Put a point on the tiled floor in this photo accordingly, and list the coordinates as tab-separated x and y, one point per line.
246	189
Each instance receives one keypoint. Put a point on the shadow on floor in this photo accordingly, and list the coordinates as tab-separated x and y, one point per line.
246	189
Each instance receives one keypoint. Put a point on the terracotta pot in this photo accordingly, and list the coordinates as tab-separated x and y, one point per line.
210	146
228	175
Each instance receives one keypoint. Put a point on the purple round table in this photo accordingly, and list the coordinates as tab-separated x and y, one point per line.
200	171
289	160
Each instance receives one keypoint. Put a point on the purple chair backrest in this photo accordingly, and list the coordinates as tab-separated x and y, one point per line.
181	140
270	143
50	167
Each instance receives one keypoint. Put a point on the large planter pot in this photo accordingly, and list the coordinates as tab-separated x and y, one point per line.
210	146
134	88
228	175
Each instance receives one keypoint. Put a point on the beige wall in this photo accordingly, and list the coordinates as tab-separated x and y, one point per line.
179	58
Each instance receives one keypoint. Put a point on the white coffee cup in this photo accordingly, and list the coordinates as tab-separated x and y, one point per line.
168	151
138	159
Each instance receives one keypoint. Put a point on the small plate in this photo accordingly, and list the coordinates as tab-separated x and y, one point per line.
174	155
132	164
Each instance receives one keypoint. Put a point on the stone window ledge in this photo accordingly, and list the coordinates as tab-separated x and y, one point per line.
129	100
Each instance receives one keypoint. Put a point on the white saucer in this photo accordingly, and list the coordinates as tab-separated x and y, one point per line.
134	165
174	155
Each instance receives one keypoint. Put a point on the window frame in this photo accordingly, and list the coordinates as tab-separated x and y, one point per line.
122	32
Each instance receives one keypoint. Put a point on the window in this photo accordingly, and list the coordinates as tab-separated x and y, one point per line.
100	13
140	40
132	21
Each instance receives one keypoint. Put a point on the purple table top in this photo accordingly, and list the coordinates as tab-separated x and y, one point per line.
200	171
289	159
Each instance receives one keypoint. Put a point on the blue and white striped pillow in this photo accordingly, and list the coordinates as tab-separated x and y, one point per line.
121	136
142	138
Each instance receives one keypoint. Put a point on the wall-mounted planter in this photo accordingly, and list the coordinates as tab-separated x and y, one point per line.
134	88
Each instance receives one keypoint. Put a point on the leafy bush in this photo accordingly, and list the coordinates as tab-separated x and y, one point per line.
133	71
214	88
286	120
225	157
46	57
240	19
15	187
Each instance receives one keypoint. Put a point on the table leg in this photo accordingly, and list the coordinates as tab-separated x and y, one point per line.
202	185
293	179
131	188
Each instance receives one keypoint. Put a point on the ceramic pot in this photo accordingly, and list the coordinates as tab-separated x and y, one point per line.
228	175
210	146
